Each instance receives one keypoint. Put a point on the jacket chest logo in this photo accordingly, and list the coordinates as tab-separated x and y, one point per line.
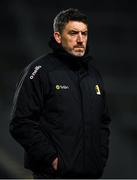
59	87
97	89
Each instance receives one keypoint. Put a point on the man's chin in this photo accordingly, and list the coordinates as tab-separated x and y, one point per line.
78	53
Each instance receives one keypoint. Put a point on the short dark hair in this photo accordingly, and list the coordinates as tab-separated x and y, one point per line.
63	17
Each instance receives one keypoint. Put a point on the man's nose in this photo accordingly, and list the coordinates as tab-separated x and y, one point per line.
79	38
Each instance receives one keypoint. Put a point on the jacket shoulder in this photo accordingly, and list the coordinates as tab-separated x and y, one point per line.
46	62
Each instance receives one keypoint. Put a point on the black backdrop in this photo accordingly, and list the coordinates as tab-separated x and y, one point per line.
25	27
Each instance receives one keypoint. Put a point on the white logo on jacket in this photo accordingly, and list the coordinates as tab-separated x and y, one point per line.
35	71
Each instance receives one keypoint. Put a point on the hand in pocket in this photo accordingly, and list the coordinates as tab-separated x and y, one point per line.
55	164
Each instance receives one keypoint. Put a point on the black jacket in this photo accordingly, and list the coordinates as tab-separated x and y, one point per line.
59	110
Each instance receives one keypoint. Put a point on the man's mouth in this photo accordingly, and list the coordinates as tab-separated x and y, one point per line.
79	47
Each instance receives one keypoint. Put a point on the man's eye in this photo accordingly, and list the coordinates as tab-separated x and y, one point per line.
73	33
84	33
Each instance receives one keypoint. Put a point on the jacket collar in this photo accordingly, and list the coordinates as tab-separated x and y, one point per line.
73	61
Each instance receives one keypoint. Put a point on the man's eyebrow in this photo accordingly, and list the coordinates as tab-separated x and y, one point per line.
74	30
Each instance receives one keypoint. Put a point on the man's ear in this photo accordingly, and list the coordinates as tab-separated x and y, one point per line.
57	37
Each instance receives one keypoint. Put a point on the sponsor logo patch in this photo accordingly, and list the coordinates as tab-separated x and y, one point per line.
59	87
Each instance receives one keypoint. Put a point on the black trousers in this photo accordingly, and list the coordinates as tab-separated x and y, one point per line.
45	176
53	176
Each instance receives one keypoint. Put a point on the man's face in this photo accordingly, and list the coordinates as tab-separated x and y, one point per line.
74	38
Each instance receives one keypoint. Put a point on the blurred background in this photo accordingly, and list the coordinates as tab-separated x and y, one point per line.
25	28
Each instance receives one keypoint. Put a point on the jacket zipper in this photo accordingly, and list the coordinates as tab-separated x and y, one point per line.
83	121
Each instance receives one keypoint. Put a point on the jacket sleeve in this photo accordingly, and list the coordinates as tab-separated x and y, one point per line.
105	131
105	123
25	117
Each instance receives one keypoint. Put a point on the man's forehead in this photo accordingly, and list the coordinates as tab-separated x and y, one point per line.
76	26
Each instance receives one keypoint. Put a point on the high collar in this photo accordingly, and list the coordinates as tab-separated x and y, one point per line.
74	62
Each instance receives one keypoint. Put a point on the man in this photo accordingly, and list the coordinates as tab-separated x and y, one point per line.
59	112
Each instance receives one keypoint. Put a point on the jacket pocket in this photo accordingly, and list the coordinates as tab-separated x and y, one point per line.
61	165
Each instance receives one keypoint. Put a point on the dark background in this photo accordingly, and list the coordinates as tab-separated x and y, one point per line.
25	28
